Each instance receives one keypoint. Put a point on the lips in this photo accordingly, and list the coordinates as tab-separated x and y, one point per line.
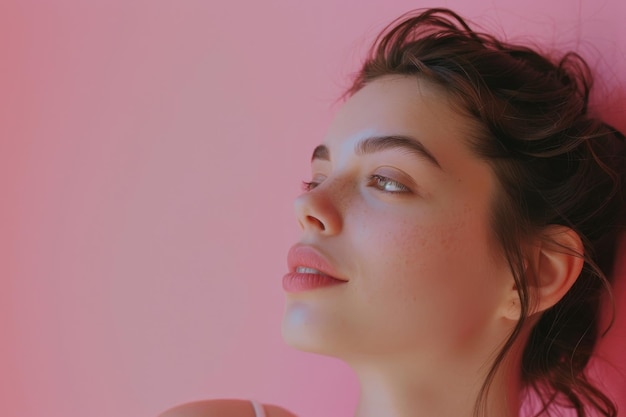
309	270
307	260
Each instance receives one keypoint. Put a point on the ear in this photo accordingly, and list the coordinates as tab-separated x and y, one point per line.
552	266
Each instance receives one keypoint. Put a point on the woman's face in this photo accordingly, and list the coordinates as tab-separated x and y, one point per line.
399	209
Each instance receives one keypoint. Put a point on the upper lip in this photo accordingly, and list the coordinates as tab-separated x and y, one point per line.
308	256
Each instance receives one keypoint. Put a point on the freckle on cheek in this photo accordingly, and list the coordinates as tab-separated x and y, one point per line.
445	241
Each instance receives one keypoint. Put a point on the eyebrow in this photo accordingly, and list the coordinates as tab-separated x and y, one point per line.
375	144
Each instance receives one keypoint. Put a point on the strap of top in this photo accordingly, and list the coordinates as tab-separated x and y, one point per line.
258	409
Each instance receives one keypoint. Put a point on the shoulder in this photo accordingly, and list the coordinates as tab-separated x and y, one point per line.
223	408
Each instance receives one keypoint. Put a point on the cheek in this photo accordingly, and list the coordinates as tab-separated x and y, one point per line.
435	268
395	265
413	250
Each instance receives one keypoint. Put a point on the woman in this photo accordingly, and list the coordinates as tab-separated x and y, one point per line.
459	230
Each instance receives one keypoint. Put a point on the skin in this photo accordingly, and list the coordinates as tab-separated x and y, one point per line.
430	296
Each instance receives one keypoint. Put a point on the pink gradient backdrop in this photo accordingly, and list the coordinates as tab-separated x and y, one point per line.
150	151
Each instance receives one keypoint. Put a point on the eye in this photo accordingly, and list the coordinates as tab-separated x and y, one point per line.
315	181
309	185
387	185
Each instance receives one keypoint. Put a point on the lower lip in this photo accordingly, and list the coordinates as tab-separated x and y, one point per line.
297	282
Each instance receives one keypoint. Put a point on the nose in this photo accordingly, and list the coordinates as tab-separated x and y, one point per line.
318	213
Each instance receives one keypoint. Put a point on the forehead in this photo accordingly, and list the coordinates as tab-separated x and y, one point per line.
403	105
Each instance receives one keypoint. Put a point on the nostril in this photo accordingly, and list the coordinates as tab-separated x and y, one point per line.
316	222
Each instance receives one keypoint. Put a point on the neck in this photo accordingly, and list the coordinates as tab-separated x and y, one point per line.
444	388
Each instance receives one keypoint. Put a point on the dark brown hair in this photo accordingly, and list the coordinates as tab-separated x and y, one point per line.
557	165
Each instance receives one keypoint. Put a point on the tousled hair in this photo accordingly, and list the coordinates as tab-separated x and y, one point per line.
556	165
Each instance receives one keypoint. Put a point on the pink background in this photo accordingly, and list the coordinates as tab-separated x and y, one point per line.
149	155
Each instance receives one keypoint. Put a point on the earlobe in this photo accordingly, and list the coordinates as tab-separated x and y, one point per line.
513	308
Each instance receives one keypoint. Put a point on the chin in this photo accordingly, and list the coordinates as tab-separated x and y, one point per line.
303	332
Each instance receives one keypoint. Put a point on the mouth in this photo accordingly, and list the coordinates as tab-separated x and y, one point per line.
307	260
305	278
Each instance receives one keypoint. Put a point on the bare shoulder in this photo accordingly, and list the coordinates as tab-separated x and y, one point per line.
223	408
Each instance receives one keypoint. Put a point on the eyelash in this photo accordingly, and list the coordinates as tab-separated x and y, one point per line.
309	185
373	180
